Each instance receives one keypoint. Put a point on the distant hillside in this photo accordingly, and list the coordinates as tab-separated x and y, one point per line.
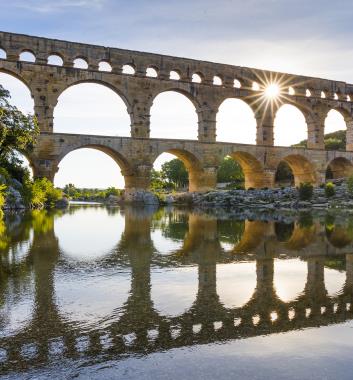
333	141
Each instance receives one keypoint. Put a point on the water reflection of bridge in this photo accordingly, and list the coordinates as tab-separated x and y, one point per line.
137	327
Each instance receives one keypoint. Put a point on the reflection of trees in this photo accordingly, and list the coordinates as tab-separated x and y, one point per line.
284	231
230	231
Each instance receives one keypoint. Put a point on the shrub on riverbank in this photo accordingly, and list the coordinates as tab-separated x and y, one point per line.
306	191
330	189
41	193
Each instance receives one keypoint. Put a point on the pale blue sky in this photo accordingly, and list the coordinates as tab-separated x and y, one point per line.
312	38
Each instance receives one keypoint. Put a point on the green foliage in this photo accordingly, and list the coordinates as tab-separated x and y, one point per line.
18	133
284	173
230	171
333	141
305	220
89	194
330	189
305	190
175	172
350	184
41	193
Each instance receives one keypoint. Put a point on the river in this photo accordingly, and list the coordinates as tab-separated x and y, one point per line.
141	293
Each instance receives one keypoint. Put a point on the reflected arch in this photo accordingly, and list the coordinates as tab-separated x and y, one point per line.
236	122
91	107
290	126
339	167
303	170
254	174
173	116
104	172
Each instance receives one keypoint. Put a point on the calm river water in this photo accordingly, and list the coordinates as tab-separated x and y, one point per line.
124	293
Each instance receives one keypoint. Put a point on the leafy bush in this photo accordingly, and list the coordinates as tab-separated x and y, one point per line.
305	190
330	189
41	193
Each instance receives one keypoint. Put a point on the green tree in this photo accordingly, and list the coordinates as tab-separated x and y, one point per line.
229	171
175	172
18	132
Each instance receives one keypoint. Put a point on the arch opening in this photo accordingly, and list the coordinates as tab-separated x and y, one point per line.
248	170
230	174
91	167
196	78
236	122
27	56
290	126
339	167
217	80
104	66
176	169
301	168
80	63
55	60
236	83
128	69
3	54
91	108
151	72
284	175
173	115
335	131
174	75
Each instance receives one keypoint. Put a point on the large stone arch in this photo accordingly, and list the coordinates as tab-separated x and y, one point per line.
200	178
254	173
241	101
20	78
339	167
303	170
188	96
127	169
104	84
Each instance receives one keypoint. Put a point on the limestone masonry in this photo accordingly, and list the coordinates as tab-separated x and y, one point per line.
135	155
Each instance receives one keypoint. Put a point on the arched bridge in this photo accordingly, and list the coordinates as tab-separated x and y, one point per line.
139	77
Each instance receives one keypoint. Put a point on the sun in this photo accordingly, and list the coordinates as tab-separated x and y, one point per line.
272	91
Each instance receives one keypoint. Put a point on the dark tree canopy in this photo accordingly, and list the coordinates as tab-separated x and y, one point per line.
229	171
174	171
18	133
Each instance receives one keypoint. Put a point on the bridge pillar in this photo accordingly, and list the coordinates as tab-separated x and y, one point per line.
44	168
203	180
349	134
140	117
265	120
315	286
44	111
316	127
207	124
137	180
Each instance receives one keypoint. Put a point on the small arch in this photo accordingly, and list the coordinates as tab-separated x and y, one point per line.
3	54
307	93
80	63
348	98
254	175
339	167
174	75
303	170
128	69
55	60
217	80
104	66
291	91
27	56
236	83
323	95
196	78
151	72
335	96
255	86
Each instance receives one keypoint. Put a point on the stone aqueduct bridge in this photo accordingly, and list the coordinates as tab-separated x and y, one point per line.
136	154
